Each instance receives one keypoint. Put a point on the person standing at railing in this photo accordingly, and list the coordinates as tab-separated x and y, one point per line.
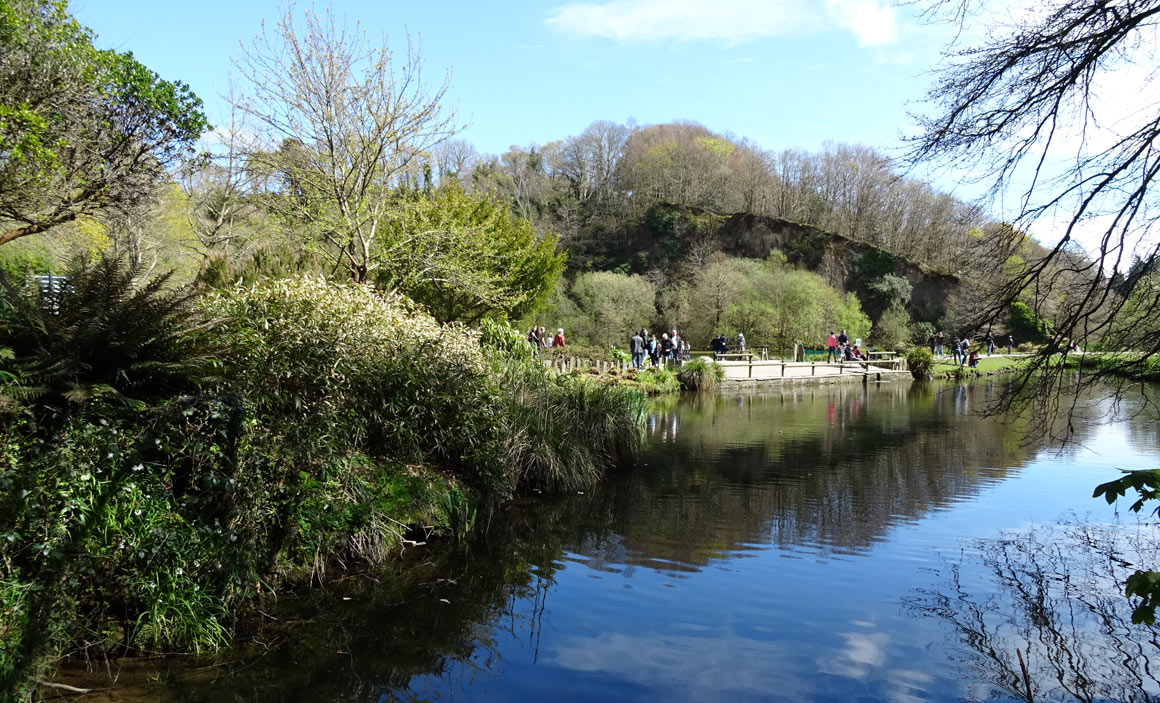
740	343
831	348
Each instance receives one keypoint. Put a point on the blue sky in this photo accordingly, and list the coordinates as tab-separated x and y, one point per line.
784	73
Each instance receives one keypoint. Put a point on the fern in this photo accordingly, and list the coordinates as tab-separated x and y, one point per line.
107	337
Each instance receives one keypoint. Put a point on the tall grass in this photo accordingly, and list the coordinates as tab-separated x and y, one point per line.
561	432
700	375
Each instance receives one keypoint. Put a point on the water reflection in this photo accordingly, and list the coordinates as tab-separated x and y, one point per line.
1056	597
758	551
826	470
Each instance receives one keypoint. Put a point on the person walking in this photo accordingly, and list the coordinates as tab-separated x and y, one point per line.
675	341
535	341
636	348
831	348
654	349
1010	344
940	344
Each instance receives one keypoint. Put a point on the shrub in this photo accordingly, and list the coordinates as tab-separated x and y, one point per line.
658	380
700	374
560	431
105	337
920	362
326	361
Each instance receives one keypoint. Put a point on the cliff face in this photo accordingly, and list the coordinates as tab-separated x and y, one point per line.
666	234
845	264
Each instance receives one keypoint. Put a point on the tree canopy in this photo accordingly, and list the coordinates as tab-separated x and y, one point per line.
81	129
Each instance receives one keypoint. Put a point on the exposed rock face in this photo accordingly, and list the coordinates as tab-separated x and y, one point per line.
846	264
667	233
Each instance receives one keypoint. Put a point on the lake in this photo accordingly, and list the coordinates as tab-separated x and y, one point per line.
839	543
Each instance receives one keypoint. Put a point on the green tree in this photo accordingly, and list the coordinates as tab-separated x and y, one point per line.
81	129
892	330
465	256
614	304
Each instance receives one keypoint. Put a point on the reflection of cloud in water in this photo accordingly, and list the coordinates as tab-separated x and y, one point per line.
865	655
864	651
703	669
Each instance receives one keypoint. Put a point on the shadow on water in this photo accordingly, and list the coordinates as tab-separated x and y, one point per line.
827	472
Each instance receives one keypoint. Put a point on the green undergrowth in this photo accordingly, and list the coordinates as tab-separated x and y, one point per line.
301	426
700	374
1119	364
650	381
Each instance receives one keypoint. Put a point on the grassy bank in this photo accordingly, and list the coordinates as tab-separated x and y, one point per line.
169	460
988	365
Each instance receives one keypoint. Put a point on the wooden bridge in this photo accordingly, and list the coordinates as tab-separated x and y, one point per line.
751	367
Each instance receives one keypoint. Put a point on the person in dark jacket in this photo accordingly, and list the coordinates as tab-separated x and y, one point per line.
636	348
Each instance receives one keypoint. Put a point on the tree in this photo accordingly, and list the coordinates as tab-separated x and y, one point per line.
465	256
343	125
81	129
614	305
892	330
1030	108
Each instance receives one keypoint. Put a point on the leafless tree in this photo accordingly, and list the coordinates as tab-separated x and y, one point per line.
1030	109
343	123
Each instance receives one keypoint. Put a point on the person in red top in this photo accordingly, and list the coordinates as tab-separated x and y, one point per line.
558	340
832	348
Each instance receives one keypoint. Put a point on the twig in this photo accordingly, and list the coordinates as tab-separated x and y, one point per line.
1026	678
64	687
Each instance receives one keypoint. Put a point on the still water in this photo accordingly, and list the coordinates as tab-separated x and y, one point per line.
885	543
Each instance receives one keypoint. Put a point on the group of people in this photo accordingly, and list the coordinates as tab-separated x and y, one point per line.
668	348
720	345
539	338
838	348
961	348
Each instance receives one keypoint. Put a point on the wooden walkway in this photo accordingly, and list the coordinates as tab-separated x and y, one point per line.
756	369
776	369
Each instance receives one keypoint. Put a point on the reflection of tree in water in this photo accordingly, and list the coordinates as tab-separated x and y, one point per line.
827	469
372	636
1056	595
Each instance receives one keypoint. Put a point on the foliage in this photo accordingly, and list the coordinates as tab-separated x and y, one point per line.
610	306
333	360
890	289
16	265
82	129
1026	325
920	333
658	380
1143	584
464	256
920	362
892	330
560	431
700	374
104	337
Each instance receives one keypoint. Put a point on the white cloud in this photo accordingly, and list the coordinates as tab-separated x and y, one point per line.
874	24
732	21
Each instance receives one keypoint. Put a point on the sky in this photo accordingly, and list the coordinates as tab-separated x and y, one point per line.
782	73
